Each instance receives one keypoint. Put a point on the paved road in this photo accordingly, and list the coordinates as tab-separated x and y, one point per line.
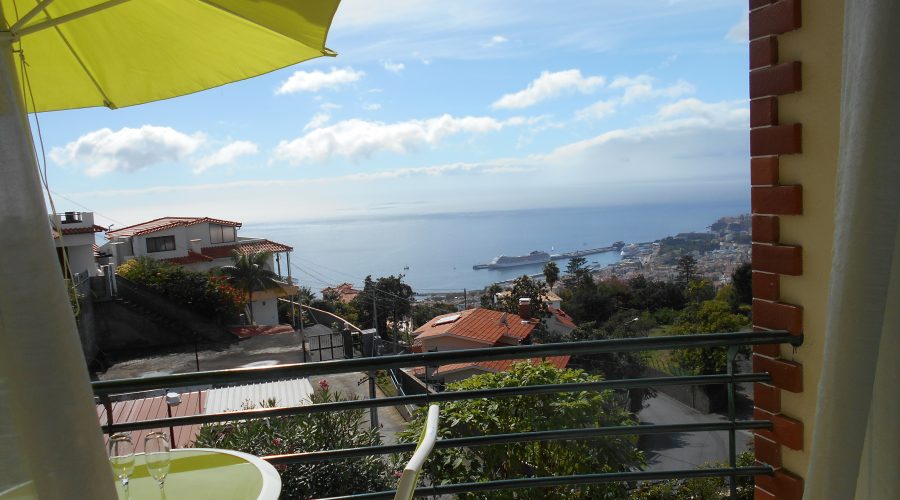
684	450
348	383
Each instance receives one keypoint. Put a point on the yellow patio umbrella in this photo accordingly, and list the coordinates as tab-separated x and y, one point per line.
82	53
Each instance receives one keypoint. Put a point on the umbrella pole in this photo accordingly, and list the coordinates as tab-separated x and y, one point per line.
44	385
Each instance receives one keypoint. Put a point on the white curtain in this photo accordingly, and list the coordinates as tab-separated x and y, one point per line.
50	441
856	440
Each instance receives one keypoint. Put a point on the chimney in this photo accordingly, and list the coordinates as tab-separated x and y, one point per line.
525	308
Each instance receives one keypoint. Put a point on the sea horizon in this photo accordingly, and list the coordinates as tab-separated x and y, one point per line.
436	251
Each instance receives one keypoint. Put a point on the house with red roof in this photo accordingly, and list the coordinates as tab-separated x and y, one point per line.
201	244
474	329
343	292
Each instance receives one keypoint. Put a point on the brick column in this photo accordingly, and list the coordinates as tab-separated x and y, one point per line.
770	200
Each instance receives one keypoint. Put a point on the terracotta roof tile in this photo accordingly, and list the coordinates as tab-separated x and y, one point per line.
191	258
481	325
78	230
562	317
165	223
559	362
245	247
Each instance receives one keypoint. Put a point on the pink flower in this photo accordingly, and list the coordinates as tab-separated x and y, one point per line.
398	474
276	441
323	384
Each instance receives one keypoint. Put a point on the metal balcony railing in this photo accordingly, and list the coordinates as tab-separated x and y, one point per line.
104	389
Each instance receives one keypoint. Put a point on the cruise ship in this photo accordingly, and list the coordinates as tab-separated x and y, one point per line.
535	257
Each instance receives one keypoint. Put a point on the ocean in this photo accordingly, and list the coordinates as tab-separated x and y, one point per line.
436	252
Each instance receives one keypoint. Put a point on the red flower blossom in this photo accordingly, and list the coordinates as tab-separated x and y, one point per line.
323	384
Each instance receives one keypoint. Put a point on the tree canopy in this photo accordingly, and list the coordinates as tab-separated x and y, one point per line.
551	274
392	298
526	414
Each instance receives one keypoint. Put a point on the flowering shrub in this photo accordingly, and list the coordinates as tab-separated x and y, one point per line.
210	296
304	433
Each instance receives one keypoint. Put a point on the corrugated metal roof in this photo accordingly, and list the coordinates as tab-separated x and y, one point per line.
294	392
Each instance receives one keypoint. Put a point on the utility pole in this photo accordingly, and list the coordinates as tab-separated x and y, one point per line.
373	411
465	299
369	344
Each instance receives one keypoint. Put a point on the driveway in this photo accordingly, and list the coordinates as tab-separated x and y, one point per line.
684	450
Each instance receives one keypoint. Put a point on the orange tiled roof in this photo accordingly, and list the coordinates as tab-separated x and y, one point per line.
191	258
245	247
480	325
562	317
165	223
77	230
501	365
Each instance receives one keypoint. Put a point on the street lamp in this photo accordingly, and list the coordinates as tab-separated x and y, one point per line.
172	399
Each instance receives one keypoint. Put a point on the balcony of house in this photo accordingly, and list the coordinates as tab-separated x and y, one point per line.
538	469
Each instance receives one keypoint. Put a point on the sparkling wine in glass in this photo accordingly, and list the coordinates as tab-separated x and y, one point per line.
156	453
121	456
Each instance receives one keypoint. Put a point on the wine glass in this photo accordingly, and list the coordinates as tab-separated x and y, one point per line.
121	456
156	451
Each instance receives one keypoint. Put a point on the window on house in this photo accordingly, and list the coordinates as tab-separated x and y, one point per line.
160	244
221	234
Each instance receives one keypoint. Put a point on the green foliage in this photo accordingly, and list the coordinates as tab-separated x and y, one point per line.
489	297
525	287
701	488
304	433
742	277
584	300
551	274
249	274
673	247
209	296
699	290
711	316
687	269
392	299
526	414
422	313
651	295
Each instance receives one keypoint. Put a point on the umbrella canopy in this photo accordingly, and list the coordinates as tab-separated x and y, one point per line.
118	53
81	53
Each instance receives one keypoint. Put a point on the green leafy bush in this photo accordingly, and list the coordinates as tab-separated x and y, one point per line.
209	296
306	433
710	316
526	414
701	488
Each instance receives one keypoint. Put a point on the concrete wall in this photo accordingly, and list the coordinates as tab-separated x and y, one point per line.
181	243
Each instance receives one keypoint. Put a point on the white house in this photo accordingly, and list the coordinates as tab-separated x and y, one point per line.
73	235
201	244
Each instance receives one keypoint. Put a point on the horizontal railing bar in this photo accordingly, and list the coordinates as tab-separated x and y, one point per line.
519	437
544	482
445	357
424	399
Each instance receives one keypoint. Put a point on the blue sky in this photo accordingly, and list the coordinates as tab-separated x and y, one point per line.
434	107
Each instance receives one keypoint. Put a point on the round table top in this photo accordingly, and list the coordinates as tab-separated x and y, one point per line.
206	473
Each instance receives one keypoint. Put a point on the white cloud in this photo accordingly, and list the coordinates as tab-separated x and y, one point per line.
225	155
127	150
496	40
740	32
642	87
372	106
548	86
357	138
318	120
713	114
598	110
314	81
328	106
393	67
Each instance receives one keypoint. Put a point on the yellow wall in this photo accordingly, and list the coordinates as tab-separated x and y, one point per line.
817	44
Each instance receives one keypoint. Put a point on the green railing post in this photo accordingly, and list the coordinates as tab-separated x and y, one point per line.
732	448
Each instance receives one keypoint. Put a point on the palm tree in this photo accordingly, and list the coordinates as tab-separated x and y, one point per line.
249	273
